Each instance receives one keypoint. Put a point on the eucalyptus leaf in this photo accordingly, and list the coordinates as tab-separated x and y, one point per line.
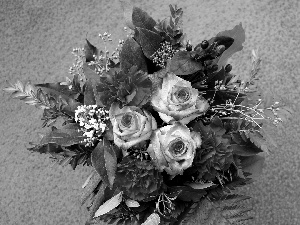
132	55
183	64
148	40
104	161
109	205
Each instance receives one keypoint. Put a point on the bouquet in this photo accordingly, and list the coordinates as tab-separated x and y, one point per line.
168	129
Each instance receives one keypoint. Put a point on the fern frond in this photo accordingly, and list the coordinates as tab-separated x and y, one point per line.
225	210
27	94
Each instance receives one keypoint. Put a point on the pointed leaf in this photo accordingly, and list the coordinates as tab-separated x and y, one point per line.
149	41
109	205
141	19
89	95
90	187
104	160
153	219
98	200
90	50
183	64
238	34
93	79
132	55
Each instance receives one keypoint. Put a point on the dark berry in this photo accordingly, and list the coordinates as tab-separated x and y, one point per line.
204	44
228	68
220	49
189	47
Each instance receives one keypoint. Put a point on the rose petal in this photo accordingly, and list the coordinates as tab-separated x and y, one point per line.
165	117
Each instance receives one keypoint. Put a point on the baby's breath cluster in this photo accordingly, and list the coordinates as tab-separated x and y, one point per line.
163	54
103	61
77	68
92	119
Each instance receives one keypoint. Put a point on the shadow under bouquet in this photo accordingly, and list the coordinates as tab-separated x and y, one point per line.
169	131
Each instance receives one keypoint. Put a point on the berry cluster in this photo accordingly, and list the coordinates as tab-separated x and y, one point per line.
92	120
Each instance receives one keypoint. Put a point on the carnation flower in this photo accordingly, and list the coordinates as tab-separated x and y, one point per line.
131	125
176	100
173	147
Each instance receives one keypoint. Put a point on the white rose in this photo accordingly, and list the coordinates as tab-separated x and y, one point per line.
131	125
176	100
172	148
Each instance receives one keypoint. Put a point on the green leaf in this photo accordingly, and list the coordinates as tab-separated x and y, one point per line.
238	34
132	55
148	40
89	188
93	79
153	219
141	19
89	95
258	139
109	204
69	106
98	200
253	164
55	90
90	50
67	136
46	148
104	161
183	64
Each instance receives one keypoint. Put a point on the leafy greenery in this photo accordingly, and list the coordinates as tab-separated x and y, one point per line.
130	88
125	186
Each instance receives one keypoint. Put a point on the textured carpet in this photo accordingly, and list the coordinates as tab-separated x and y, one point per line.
36	39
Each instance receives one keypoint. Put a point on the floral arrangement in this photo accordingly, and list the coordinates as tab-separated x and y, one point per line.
167	128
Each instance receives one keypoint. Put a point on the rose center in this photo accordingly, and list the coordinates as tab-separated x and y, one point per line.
126	120
178	147
183	95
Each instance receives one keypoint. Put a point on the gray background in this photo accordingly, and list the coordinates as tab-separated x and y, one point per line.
36	39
